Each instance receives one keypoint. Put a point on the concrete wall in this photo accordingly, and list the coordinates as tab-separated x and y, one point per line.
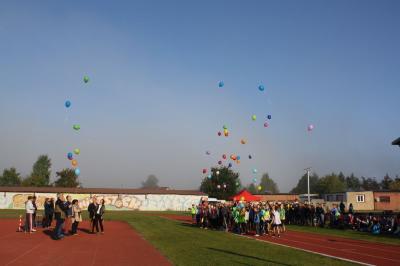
150	202
393	205
367	205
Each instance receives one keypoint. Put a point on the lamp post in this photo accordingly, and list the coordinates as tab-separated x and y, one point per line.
308	183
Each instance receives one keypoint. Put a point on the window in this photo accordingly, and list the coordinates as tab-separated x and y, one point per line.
384	199
339	197
360	198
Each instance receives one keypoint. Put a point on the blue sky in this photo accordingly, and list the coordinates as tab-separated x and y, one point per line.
153	105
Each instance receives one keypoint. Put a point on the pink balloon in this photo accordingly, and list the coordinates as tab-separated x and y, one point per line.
310	127
266	124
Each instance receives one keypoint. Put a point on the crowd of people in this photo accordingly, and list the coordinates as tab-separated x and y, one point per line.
67	214
269	218
241	218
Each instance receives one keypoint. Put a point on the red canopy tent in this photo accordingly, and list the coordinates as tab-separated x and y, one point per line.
244	195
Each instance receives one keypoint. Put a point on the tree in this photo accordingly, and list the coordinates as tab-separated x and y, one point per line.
369	184
341	177
353	183
301	187
267	184
41	172
395	184
252	188
67	178
330	184
385	183
150	182
221	186
10	178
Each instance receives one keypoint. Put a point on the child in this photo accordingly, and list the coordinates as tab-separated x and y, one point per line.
276	224
257	221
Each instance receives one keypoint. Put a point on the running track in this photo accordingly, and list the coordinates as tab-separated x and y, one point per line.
337	247
120	245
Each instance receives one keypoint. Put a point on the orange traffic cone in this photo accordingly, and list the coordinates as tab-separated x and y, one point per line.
20	224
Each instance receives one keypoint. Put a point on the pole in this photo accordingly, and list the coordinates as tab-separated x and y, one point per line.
308	184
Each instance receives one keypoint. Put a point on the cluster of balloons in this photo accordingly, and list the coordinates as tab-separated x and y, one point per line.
76	127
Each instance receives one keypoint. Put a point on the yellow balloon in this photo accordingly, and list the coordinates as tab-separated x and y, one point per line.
74	162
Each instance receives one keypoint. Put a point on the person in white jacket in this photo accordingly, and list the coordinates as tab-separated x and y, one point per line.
29	210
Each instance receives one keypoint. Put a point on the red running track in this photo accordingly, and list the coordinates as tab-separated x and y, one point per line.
338	247
120	245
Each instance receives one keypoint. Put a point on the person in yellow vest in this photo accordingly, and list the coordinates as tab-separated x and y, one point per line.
193	212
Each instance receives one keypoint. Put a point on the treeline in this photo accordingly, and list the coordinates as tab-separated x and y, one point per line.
39	176
340	183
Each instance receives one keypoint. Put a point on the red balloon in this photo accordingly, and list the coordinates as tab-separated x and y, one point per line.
204	170
219	133
224	156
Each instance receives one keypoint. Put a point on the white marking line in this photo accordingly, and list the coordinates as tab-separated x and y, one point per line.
309	251
348	244
343	250
25	253
95	254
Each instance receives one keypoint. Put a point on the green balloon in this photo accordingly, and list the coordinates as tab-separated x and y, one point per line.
254	117
86	79
76	127
225	127
77	151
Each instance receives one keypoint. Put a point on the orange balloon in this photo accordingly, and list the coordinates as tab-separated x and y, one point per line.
74	162
243	141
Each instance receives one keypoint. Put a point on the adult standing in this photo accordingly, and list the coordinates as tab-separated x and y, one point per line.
76	216
34	212
59	214
98	217
276	221
68	223
48	212
29	211
92	211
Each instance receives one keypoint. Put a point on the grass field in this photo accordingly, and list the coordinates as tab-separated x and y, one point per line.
183	244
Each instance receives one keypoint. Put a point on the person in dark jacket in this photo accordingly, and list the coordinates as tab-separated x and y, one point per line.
92	210
48	212
34	213
98	217
60	210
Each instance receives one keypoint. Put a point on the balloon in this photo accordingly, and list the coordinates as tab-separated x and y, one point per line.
225	127
237	183
261	87
86	79
77	151
219	162
217	173
266	124
233	157
70	155
209	176
229	165
67	104
269	116
255	171
208	153
219	133
221	84
237	161
74	163
76	127
243	141
218	186
224	156
255	180
254	117
238	157
77	171
204	170
250	156
310	127
226	133
259	187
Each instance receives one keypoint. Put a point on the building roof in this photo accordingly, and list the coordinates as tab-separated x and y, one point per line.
396	142
140	191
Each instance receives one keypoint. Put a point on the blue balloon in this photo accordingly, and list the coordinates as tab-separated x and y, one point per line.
77	171
269	116
221	84
261	87
255	180
70	155
67	104
209	176
229	165
250	157
238	157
